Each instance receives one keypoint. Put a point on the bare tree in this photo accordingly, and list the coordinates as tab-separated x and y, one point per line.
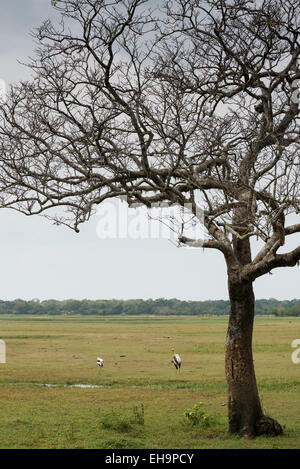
195	103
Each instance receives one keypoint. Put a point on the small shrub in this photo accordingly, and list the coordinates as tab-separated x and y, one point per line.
113	420
139	414
122	420
197	416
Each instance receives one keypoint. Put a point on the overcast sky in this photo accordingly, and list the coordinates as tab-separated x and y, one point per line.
41	260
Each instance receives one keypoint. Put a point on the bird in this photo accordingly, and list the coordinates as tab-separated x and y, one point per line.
176	360
100	362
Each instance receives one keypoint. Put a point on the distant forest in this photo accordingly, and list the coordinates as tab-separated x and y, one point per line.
147	307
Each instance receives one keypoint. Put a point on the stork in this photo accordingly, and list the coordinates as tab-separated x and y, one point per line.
176	360
100	362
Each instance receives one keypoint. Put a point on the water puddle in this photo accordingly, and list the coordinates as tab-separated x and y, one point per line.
82	386
53	385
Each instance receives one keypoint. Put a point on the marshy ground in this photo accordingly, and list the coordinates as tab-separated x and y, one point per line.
139	399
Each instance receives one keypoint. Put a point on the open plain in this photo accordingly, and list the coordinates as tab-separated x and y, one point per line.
53	394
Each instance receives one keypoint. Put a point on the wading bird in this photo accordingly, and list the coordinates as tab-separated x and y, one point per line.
100	362
176	360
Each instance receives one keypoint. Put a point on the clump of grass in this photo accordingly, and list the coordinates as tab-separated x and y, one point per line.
198	416
69	433
139	414
122	420
120	443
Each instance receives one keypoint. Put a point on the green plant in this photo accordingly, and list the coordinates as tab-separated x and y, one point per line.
120	443
139	414
123	420
198	416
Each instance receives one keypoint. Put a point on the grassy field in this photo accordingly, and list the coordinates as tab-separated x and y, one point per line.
140	398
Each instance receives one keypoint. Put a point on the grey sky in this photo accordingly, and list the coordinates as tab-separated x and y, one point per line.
40	260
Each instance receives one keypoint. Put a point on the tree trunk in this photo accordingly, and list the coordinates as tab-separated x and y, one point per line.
244	409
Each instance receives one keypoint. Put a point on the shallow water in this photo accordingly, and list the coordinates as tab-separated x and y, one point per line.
53	385
83	386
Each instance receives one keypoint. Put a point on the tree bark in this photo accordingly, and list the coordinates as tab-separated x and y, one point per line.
244	409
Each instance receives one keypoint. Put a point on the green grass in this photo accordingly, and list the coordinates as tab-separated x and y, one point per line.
142	398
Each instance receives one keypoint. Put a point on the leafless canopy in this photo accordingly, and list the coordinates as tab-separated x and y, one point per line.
195	102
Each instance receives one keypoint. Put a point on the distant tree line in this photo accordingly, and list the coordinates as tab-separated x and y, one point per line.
161	306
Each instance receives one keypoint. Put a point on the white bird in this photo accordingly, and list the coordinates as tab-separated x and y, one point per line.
100	362
176	360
